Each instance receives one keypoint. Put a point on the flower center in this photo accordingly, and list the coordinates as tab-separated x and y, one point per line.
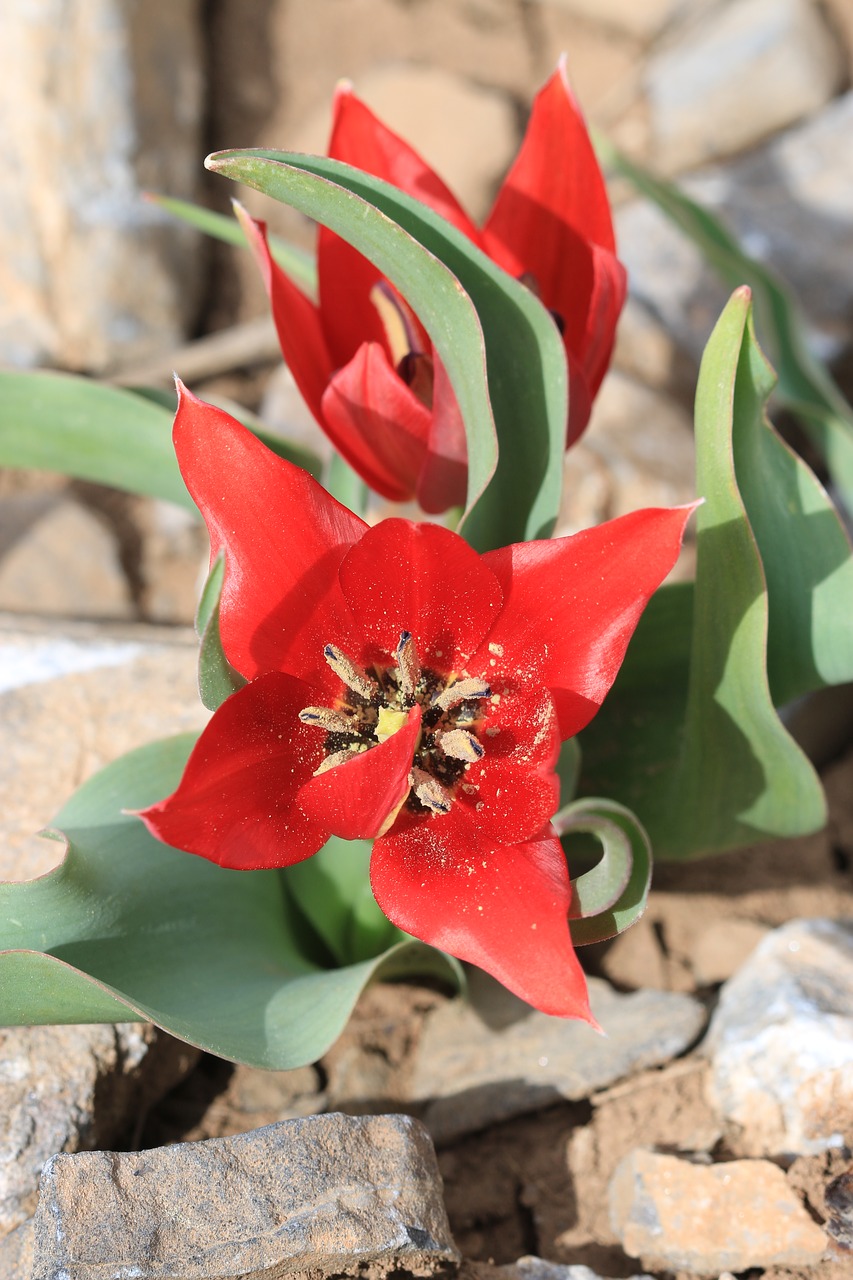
375	705
411	362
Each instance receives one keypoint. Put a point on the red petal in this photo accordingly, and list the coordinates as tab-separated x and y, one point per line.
377	423
297	320
505	910
443	481
235	802
572	604
354	800
359	138
345	276
423	579
283	536
555	178
512	791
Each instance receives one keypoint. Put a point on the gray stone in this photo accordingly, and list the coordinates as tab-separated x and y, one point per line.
645	20
329	1194
72	698
64	563
88	93
16	1253
174	560
480	1065
788	204
623	462
531	1268
702	1218
70	1088
741	71
780	1043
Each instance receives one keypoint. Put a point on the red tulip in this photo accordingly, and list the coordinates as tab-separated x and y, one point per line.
405	689
360	357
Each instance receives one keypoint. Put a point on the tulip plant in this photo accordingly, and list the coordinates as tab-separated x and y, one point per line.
421	727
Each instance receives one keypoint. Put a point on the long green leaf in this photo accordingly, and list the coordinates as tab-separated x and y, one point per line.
111	435
805	385
298	264
127	928
61	422
689	737
509	376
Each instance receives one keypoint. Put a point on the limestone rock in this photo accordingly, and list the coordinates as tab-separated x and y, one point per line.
788	204
174	560
708	1218
644	20
781	1042
65	562
530	1268
73	698
92	274
67	1088
736	74
325	1194
16	1253
479	1066
638	451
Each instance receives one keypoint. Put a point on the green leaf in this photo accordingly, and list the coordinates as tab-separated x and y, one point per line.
612	895
346	485
60	422
805	385
804	548
111	435
217	679
689	737
509	376
333	890
127	928
298	264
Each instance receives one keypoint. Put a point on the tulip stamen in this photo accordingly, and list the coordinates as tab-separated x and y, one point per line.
430	792
327	718
462	745
408	665
461	691
379	705
353	677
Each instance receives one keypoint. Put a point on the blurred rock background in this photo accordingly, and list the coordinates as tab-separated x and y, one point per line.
748	102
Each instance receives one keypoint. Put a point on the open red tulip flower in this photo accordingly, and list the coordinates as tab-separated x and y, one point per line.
361	358
406	689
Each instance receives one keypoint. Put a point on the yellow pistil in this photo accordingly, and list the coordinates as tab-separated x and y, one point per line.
389	723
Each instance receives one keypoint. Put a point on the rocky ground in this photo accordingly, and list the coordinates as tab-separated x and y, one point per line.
710	1133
